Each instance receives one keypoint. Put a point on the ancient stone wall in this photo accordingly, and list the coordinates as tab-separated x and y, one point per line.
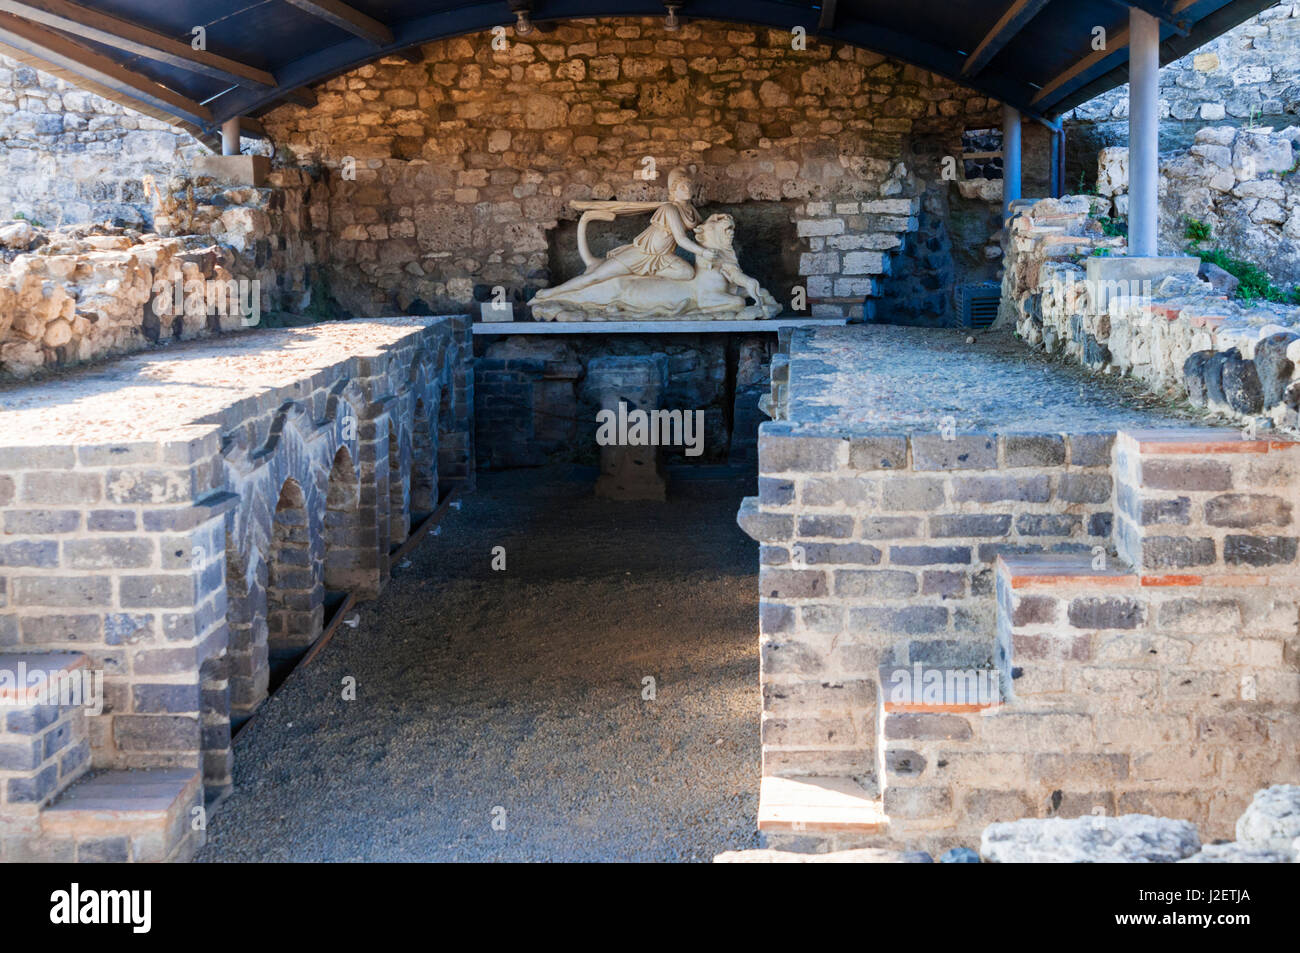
1181	336
224	258
447	177
1237	185
71	157
1247	76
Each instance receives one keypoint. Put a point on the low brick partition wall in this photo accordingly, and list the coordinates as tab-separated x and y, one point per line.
177	520
1128	598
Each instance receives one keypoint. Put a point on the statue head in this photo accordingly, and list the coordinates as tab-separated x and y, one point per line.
680	185
718	231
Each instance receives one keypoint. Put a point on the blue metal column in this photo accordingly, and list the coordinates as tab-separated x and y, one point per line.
1143	133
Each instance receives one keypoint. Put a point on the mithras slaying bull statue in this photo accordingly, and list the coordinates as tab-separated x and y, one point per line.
647	279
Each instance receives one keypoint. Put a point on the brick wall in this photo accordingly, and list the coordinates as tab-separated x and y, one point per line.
883	546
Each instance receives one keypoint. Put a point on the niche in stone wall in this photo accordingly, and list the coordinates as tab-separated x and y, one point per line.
766	243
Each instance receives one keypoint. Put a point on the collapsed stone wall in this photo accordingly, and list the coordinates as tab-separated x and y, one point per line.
223	256
447	176
72	157
1178	333
1238	183
1246	76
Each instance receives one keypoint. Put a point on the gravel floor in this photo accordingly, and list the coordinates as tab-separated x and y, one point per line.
522	690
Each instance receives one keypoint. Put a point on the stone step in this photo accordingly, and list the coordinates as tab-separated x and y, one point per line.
44	745
129	816
825	805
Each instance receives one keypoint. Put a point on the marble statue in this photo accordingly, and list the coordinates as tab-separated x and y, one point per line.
647	279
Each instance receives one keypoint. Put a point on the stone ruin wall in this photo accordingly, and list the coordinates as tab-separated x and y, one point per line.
80	293
1181	336
1248	75
72	157
466	162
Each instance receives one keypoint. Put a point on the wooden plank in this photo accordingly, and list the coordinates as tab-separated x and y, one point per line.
1015	19
818	804
66	54
347	18
130	38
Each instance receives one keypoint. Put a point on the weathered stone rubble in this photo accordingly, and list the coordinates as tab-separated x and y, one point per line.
1266	834
1238	182
1130	839
1179	335
78	293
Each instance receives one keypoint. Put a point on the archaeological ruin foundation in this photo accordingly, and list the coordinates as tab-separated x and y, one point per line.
991	324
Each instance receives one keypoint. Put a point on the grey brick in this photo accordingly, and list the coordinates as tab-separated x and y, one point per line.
792	583
855	554
1074	487
150	486
1091	449
34	789
1259	550
62	488
1090	613
33	720
884	584
836	527
1101	524
970	525
41	522
30	554
1034	450
889	527
878	453
123	454
1048	524
962	452
832	491
1241	510
775	618
775	492
62	591
157	591
946	585
167	699
156	732
20	756
61	457
1176	552
1181	474
110	521
994	489
108	553
911	493
1034	610
926	726
781	453
910	620
104	850
928	555
43	629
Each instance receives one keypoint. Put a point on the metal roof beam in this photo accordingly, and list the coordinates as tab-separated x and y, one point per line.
1015	19
347	18
65	54
123	35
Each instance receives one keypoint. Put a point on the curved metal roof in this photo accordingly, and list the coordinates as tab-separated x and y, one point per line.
1037	55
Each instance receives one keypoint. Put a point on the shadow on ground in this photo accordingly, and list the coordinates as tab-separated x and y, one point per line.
522	690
